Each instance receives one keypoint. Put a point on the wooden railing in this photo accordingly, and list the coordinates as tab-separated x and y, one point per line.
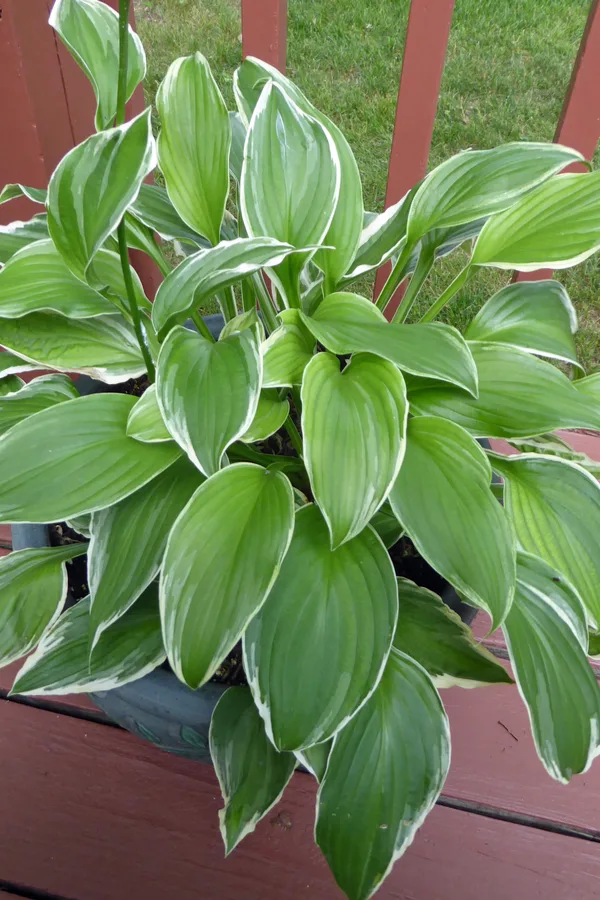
47	104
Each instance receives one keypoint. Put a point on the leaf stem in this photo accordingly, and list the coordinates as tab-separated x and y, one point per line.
422	270
201	325
294	435
123	60
452	289
227	304
244	452
396	275
265	303
133	307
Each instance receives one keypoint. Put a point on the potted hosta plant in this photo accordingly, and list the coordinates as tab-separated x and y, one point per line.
254	517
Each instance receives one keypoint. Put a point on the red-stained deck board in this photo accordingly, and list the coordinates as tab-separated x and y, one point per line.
93	814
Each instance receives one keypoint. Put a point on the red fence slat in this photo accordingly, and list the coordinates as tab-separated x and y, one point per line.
264	30
428	27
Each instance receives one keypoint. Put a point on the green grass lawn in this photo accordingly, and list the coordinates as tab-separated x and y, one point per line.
507	70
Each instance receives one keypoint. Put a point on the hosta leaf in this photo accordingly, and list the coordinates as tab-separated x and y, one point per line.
193	145
108	274
317	649
481	182
553	445
589	386
555	507
17	235
534	315
207	595
129	540
349	323
252	774
594	645
10	365
248	319
81	524
208	392
315	758
354	425
554	677
10	383
90	30
519	396
270	415
93	185
434	635
104	347
238	139
153	207
385	772
290	182
31	398
387	525
33	589
16	191
287	351
556	226
145	422
75	458
37	279
62	663
345	229
442	497
381	237
205	273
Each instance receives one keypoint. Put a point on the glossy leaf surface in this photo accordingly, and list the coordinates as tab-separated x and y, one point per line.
442	497
48	478
33	397
17	235
287	351
154	209
354	425
252	774
317	649
145	422
270	415
519	396
386	768
543	634
207	597
208	392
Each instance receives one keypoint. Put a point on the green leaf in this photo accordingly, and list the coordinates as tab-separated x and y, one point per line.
209	271
247	319
10	365
555	508
145	422
594	645
385	772
33	589
287	351
554	677
81	524
104	347
108	274
556	226
154	209
75	458
317	649
589	386
537	316
345	229
129	540
244	507
552	445
387	525
382	236
238	139
208	392
31	398
90	30
16	191
93	185
290	182
430	632
349	323
37	279
270	415
193	145
252	774
442	497
10	384
315	758
519	396
17	235
354	425
62	663
478	183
